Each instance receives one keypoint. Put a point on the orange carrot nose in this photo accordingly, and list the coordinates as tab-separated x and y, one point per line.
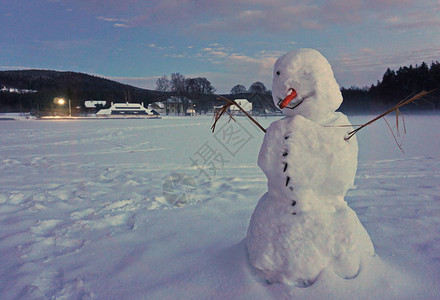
290	96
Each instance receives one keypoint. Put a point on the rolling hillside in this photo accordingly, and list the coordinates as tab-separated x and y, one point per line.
28	89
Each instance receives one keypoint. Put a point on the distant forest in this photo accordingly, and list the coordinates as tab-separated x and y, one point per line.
36	89
394	87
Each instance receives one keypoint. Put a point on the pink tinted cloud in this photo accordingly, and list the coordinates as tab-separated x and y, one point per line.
342	11
416	19
273	18
369	59
244	16
368	65
388	4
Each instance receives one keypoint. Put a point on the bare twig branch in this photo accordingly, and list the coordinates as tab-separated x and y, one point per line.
394	136
225	108
221	112
404	125
397	106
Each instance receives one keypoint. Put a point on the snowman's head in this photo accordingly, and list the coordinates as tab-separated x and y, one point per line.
304	84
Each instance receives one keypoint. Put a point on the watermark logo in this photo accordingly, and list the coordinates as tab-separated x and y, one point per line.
208	159
233	137
179	189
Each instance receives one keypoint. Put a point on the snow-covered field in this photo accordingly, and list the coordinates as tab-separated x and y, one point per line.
158	209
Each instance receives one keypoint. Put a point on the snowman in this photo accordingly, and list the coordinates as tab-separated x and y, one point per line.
302	224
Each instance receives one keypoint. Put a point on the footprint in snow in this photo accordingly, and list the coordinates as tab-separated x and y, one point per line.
48	248
51	284
44	228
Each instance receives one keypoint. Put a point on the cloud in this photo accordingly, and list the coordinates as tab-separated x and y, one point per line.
239	67
387	4
110	19
423	16
155	46
367	51
215	52
273	17
236	67
369	58
342	11
117	21
120	25
244	16
393	20
421	20
181	55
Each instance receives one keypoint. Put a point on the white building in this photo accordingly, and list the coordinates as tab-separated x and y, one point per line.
157	106
90	104
174	106
128	110
246	105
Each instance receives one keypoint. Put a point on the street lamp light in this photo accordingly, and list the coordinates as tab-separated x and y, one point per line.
61	101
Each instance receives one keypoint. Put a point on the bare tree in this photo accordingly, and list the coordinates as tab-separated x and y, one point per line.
187	89
238	89
163	84
199	90
179	87
257	87
199	86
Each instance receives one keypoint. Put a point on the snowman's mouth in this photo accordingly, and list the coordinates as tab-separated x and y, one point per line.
291	105
288	102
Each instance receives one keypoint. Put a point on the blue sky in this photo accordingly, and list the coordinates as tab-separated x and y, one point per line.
229	42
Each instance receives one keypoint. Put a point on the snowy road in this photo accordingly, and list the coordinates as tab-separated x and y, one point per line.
83	215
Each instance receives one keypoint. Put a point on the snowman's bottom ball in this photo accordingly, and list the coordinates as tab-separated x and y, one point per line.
294	249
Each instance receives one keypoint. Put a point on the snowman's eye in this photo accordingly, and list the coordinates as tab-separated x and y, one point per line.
278	73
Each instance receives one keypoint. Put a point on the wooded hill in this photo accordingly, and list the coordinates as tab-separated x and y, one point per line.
38	88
